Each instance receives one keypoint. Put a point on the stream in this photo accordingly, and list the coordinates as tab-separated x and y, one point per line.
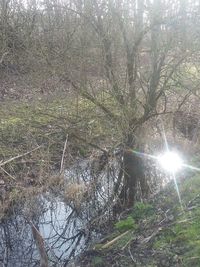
65	228
69	220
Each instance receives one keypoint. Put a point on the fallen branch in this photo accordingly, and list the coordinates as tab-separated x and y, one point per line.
192	200
63	155
7	173
134	261
19	156
128	243
40	245
110	243
3	56
147	239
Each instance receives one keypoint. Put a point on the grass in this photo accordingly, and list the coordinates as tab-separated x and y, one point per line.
48	122
183	235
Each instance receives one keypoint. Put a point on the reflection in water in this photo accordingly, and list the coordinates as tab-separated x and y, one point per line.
66	230
61	227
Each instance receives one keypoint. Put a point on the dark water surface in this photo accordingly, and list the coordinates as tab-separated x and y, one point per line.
66	230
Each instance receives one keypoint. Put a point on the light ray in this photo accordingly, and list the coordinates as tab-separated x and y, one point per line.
164	136
191	167
158	159
144	154
177	190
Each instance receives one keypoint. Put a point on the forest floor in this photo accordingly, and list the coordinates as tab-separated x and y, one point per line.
162	232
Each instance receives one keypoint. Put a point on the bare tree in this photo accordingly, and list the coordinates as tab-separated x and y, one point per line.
150	57
125	57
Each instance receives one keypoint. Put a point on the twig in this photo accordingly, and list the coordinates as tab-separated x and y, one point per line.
128	243
110	243
192	200
147	239
129	250
193	258
89	143
7	173
4	257
19	156
40	245
63	155
3	56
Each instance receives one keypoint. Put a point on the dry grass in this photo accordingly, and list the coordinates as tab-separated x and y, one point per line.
75	193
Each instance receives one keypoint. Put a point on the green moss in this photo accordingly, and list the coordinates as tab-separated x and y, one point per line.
126	224
142	210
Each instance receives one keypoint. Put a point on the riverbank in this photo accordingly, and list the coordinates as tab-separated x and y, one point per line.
40	138
157	233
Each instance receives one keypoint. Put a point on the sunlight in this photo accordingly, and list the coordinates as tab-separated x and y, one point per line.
170	161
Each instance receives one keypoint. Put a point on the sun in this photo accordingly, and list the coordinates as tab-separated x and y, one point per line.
170	161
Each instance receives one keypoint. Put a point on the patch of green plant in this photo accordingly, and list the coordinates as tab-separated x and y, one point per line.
98	262
184	236
189	237
126	224
142	210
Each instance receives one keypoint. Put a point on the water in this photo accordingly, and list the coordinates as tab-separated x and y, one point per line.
66	229
61	228
67	226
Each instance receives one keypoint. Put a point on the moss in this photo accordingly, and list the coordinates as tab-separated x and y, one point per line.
142	210
126	224
98	262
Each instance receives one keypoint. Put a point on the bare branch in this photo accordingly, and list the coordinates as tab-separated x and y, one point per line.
19	156
63	155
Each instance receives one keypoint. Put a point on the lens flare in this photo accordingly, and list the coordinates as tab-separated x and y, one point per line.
170	161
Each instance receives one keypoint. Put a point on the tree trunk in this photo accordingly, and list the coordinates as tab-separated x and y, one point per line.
134	175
